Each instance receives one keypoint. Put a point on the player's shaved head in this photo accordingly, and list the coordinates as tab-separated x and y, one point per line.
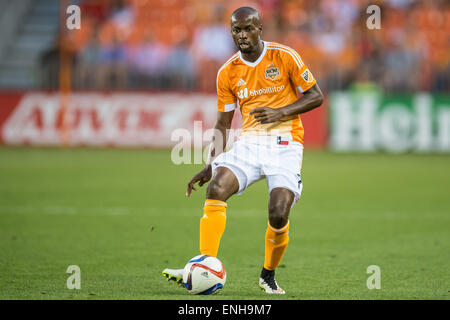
246	31
244	13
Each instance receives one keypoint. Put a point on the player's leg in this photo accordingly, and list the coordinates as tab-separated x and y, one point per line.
234	171
212	225
280	203
223	185
277	238
283	176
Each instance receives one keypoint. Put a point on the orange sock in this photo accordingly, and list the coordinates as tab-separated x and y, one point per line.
212	226
276	244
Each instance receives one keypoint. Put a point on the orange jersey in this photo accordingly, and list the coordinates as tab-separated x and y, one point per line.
271	81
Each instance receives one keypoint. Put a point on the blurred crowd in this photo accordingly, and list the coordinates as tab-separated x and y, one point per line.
180	44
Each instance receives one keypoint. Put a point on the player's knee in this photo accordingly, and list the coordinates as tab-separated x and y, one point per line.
217	190
278	213
278	221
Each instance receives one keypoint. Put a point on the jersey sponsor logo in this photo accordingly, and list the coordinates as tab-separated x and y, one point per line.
266	90
245	93
272	72
241	83
242	94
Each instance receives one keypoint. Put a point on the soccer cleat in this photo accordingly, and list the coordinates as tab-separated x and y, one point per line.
268	284
174	275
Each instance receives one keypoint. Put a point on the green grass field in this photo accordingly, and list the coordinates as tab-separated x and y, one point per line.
122	217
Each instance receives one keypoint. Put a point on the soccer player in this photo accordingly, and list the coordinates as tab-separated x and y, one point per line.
263	79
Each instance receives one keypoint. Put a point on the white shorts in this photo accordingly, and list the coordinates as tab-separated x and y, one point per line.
277	159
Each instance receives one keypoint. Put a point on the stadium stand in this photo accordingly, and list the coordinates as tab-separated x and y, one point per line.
178	44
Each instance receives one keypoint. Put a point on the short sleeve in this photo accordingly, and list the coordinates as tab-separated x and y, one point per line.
299	73
226	101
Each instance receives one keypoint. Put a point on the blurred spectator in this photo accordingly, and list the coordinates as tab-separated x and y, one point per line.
87	75
400	64
122	18
112	70
212	45
149	62
181	66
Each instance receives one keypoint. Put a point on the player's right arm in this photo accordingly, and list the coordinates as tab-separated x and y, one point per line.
226	105
217	146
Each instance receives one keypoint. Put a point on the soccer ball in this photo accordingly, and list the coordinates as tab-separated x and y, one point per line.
204	274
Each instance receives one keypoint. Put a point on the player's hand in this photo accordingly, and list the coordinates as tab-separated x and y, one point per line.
266	115
202	177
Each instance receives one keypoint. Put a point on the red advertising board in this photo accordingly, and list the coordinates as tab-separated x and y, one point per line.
118	119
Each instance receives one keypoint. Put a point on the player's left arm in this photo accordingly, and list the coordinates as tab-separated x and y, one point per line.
312	98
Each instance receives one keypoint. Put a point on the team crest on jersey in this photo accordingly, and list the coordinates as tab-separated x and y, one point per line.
272	72
307	76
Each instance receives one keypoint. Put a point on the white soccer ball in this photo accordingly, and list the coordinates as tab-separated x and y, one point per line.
204	274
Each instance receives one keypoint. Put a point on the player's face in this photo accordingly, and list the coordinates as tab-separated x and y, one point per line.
246	34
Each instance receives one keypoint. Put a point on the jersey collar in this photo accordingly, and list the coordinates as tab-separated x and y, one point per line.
254	64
